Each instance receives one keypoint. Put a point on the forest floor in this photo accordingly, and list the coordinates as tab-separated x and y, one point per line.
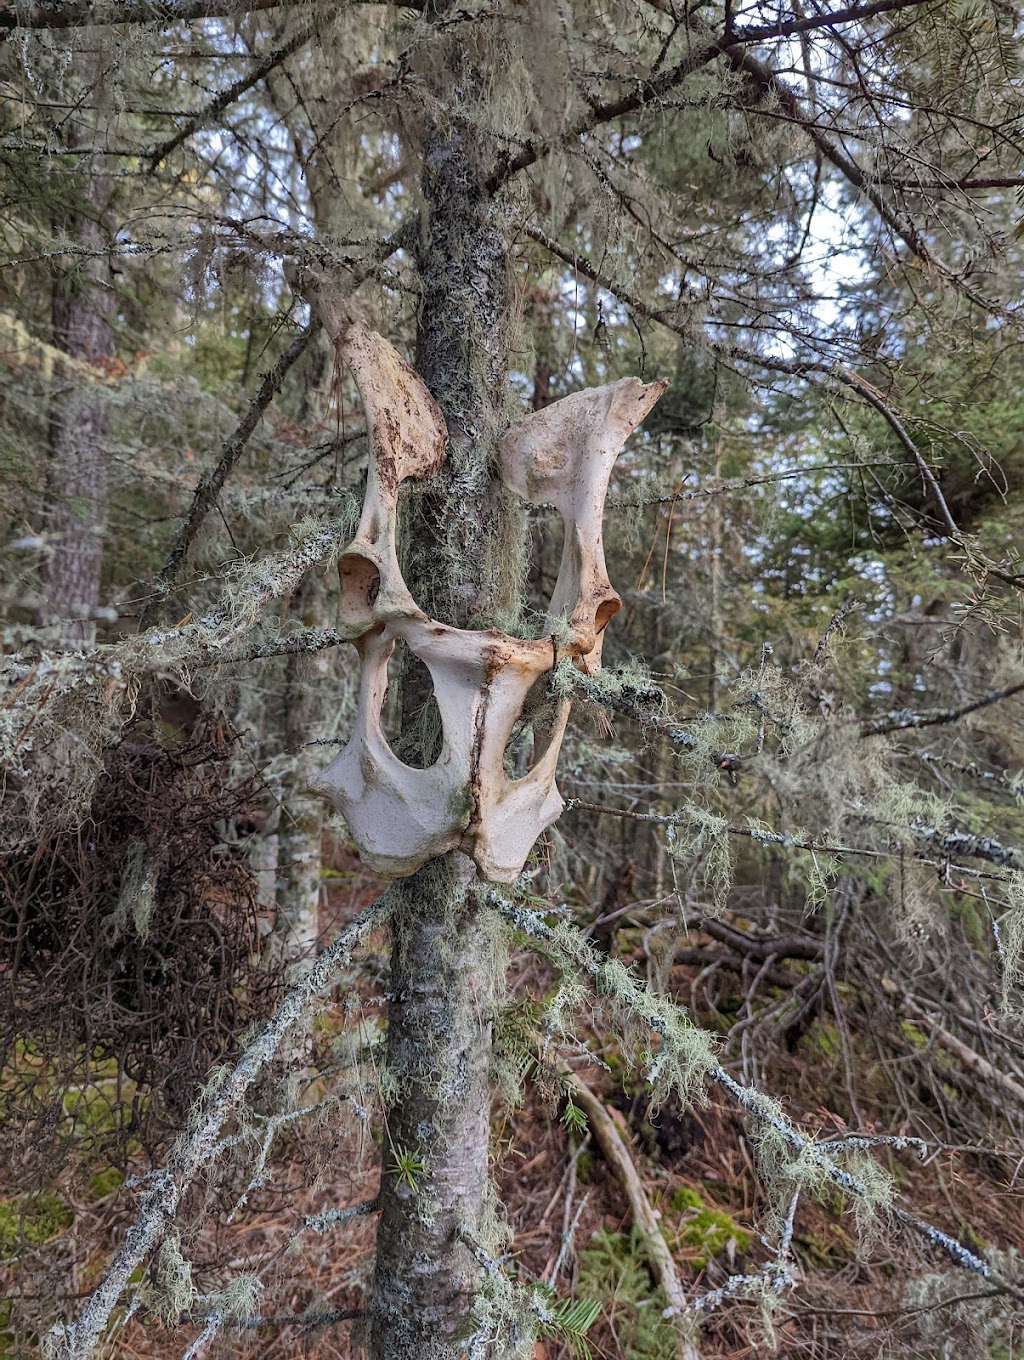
569	1220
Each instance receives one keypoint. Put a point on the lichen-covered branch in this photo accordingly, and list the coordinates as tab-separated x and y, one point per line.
955	843
768	1114
633	998
195	1146
903	719
752	833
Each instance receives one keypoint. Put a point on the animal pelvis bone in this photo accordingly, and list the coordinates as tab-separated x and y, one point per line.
400	817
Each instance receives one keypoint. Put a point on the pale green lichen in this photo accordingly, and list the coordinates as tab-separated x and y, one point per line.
703	849
175	1290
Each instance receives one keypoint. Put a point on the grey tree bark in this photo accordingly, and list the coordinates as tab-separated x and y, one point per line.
298	878
446	956
76	481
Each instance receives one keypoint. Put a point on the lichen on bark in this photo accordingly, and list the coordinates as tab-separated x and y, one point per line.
445	958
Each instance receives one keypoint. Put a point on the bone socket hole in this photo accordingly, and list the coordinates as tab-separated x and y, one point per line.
531	735
360	586
411	719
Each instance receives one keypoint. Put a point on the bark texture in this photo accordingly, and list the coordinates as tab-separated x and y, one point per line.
299	864
433	1191
76	482
444	957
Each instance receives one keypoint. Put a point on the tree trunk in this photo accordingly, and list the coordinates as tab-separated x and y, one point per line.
299	877
446	956
76	481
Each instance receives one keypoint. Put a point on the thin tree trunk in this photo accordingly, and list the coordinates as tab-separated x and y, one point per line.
444	957
76	482
299	879
446	960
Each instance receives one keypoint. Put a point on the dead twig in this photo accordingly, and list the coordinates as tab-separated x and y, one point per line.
620	1163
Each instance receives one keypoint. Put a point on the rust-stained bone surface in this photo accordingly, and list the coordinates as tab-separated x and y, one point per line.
400	817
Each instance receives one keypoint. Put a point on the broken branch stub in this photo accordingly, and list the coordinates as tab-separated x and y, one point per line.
400	817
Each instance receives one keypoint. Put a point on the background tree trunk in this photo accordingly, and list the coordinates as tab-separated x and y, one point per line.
76	483
300	828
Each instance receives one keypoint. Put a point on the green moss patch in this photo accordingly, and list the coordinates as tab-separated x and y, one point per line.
31	1220
704	1231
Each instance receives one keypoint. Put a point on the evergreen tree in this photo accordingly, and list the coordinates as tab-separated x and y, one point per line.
803	221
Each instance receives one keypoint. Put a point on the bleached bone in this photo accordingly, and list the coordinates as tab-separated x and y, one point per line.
563	456
400	817
407	437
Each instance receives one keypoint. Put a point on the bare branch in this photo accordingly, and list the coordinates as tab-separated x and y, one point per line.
874	398
852	14
751	833
616	1153
899	720
233	93
1015	787
306	641
970	1058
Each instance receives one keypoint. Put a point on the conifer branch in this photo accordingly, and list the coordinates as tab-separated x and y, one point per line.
815	372
231	95
954	844
196	1145
1013	785
640	502
768	1114
312	1320
59	14
705	49
768	83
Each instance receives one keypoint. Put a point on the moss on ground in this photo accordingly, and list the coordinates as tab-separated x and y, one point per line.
31	1220
705	1232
